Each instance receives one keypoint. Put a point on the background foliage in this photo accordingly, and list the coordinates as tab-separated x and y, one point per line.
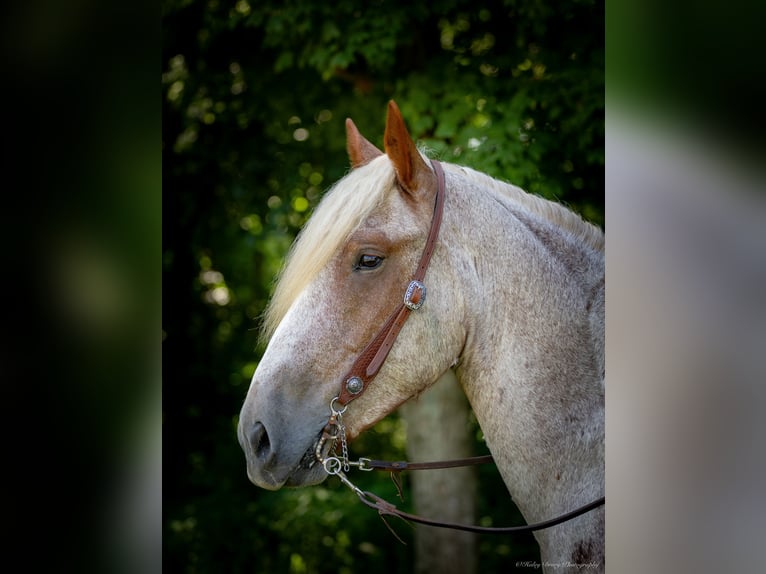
254	97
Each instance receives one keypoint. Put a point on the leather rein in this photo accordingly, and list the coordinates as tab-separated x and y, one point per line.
361	374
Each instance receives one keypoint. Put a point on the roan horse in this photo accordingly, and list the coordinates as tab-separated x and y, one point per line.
515	307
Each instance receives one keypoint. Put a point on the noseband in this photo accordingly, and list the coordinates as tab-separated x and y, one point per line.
364	370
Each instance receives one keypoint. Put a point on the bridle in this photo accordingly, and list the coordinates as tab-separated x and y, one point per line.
371	359
364	370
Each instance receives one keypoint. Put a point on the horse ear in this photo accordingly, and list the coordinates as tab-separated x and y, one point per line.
412	173
360	151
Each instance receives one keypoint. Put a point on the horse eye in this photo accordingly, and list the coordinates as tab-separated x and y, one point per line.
367	261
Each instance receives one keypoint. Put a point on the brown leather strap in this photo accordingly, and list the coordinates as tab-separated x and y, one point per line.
385	508
401	465
374	354
436	223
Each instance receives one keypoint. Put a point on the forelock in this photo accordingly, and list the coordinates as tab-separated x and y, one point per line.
340	212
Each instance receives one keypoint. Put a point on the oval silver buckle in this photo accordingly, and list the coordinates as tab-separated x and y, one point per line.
415	295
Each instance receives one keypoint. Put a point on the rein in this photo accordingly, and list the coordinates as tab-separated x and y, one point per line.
361	374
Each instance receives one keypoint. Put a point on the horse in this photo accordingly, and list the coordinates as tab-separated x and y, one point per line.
515	308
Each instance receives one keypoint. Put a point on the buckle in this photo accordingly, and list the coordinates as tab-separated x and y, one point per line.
415	295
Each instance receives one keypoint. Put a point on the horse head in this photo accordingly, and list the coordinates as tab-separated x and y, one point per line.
344	277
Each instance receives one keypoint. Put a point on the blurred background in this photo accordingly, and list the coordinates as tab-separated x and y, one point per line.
254	99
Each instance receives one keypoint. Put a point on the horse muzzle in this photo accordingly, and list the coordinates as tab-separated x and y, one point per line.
272	464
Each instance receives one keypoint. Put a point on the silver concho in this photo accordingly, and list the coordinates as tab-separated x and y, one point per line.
415	295
354	385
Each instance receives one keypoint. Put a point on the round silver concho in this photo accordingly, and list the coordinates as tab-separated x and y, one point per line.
354	385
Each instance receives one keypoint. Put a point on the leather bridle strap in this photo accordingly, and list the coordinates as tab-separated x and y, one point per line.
371	359
401	465
385	508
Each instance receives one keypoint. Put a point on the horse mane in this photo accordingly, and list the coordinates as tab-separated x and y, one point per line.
556	213
353	198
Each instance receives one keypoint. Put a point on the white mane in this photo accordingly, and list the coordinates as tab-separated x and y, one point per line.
554	212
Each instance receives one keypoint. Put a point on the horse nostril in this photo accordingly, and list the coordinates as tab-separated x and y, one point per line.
259	439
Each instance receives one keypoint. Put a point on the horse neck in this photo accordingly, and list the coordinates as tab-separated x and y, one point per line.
532	365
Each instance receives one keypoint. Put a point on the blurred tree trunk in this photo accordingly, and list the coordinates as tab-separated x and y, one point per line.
438	428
